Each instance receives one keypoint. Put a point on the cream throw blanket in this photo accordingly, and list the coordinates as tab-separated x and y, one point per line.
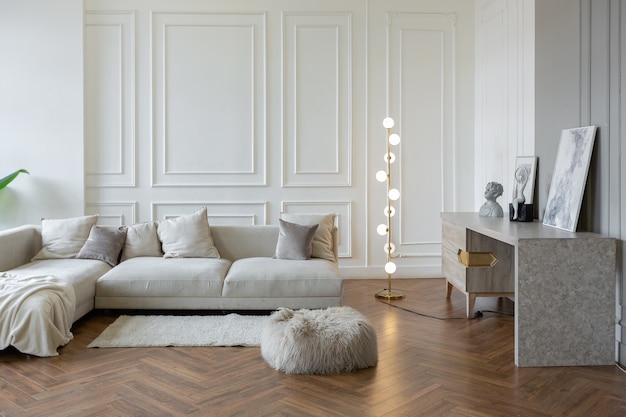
35	313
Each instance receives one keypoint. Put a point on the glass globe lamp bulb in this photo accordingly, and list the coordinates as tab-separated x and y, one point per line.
390	246
390	267
394	194
388	122
390	157
394	139
381	176
390	211
381	229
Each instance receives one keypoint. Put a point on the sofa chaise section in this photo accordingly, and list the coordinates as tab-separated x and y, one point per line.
21	244
44	288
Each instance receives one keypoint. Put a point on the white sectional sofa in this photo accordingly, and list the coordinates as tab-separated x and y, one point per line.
176	264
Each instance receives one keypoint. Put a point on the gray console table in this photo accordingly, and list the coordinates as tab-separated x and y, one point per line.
563	283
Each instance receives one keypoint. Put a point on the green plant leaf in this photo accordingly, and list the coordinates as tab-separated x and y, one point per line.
6	180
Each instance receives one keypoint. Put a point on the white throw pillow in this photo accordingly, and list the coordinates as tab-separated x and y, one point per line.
63	238
323	246
187	236
141	240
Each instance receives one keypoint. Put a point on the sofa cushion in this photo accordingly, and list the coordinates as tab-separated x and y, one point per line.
141	240
63	238
187	236
323	240
275	278
238	242
103	244
294	240
164	277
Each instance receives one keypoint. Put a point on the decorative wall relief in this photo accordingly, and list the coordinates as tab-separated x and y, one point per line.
521	206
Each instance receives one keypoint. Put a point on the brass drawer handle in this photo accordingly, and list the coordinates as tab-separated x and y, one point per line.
477	259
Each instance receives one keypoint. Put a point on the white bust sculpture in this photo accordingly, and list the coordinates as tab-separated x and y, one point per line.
491	208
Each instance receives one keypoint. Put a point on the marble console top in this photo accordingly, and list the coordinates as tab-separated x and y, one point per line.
501	228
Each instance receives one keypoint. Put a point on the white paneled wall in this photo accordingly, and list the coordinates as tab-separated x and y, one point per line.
421	70
317	70
253	107
421	49
109	99
209	99
504	92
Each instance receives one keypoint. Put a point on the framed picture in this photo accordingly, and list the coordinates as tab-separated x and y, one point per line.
569	178
523	183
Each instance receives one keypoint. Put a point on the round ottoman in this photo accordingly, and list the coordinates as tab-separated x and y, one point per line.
336	339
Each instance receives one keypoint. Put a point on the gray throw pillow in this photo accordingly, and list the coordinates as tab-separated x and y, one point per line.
323	241
104	245
294	241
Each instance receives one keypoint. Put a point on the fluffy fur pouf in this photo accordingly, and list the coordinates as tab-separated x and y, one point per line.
336	339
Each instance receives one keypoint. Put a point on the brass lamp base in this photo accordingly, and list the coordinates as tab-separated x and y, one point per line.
389	295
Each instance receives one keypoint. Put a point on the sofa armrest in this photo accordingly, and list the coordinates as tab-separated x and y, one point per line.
19	245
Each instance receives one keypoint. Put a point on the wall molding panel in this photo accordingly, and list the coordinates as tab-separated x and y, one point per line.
209	104
421	91
245	213
113	213
317	81
109	55
343	219
618	221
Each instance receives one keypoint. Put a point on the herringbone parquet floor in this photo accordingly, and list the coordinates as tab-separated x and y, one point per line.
427	367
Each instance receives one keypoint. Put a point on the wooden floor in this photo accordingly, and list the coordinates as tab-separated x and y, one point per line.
427	367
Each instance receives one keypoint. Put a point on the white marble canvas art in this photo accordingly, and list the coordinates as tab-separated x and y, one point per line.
569	178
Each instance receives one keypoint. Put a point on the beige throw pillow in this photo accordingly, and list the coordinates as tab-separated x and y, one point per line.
323	246
141	240
63	238
187	236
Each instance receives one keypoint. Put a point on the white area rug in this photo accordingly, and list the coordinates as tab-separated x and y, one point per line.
149	331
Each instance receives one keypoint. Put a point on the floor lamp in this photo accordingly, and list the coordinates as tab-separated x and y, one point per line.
393	194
